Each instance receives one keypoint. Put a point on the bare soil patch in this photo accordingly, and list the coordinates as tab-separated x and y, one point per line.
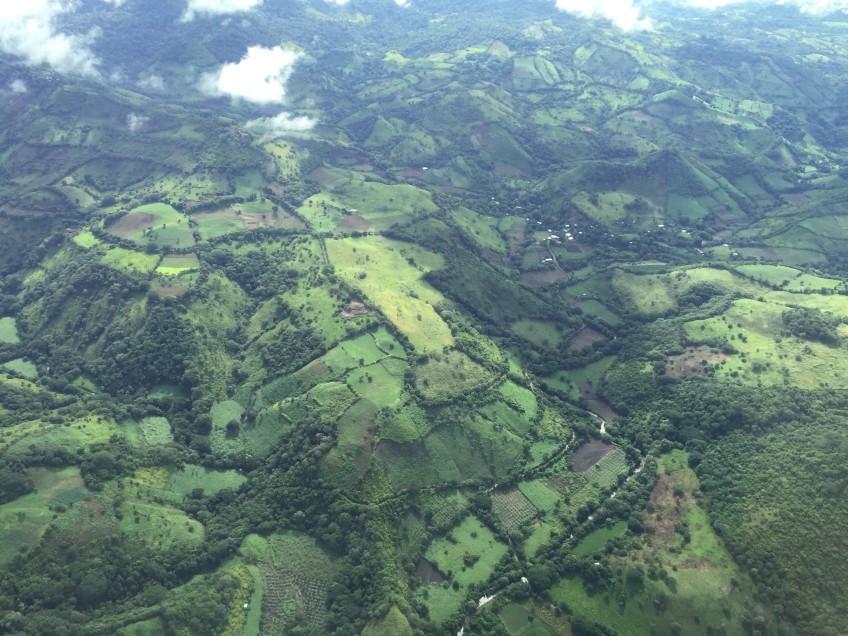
322	176
586	337
589	454
692	362
573	249
131	223
594	403
354	309
429	573
542	278
353	223
669	509
170	291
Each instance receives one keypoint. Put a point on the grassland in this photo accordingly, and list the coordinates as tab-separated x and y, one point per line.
176	264
190	477
471	559
74	437
24	520
764	355
542	333
129	260
356	204
705	589
160	527
446	376
22	366
482	230
569	381
655	294
389	274
156	224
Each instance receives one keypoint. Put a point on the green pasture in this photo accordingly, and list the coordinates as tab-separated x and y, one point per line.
191	477
86	240
596	541
160	527
483	230
24	520
23	366
523	398
156	431
764	355
542	333
567	381
539	494
705	588
129	260
389	274
519	622
381	382
470	560
176	264
448	375
156	224
403	423
76	435
364	349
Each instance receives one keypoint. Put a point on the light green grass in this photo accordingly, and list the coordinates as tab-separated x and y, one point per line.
87	240
156	430
539	494
190	477
130	260
9	331
776	275
24	520
521	397
363	348
596	541
403	424
160	527
446	376
389	274
176	264
23	366
473	541
764	355
483	230
381	383
542	333
566	381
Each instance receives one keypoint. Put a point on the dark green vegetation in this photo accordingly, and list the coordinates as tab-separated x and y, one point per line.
539	310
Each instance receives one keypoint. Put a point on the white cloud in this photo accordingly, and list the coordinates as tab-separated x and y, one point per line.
18	87
259	77
152	83
28	30
136	122
401	3
338	2
622	13
280	124
217	7
628	14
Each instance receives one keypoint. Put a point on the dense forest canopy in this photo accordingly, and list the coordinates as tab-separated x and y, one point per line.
391	317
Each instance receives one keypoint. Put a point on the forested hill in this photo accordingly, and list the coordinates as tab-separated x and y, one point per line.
394	318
